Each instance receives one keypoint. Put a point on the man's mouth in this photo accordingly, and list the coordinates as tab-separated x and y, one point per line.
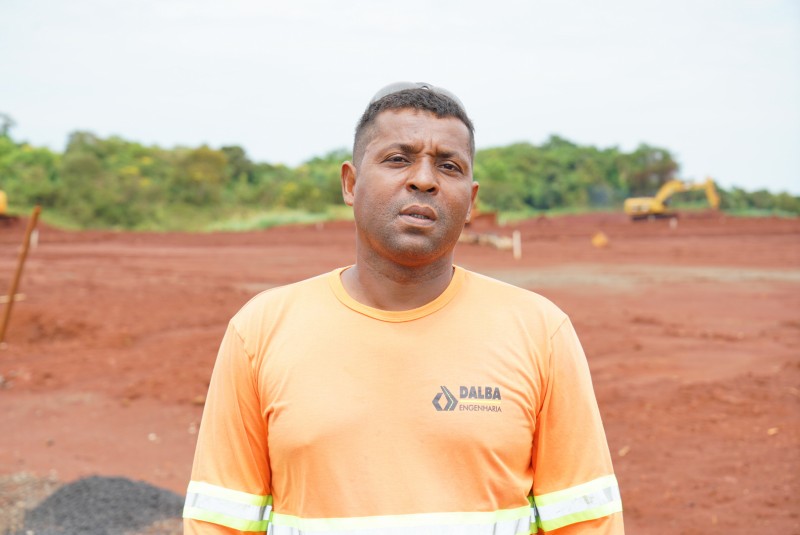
421	213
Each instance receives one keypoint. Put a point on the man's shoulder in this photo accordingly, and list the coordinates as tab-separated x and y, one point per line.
498	292
278	298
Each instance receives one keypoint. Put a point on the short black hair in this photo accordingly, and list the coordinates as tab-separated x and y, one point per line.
416	99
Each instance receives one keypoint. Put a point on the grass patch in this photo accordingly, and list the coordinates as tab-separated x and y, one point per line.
51	218
276	218
188	218
761	212
504	218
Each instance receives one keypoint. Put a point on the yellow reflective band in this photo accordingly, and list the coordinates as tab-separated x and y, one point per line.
201	487
227	507
588	501
576	491
503	522
224	520
589	514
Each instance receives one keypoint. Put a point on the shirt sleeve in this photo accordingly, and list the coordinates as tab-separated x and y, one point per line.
574	487
229	491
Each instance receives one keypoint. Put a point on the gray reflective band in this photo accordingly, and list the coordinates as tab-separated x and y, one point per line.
578	504
501	527
228	507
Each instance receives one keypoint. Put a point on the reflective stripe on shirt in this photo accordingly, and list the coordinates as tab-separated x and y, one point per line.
588	501
250	512
231	508
504	522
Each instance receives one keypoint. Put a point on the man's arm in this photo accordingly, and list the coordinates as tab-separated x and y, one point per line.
574	487
229	491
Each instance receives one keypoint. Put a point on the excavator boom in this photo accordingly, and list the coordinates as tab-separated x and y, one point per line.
645	207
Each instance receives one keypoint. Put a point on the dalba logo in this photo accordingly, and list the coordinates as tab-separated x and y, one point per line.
451	400
471	398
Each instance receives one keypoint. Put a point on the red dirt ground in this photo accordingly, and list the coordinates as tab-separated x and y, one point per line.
692	333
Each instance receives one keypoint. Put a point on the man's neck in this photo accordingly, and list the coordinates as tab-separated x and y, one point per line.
387	286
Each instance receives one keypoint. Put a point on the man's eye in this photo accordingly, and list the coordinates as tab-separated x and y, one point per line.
397	159
450	166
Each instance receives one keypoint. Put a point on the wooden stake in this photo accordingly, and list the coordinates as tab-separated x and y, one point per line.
516	238
23	254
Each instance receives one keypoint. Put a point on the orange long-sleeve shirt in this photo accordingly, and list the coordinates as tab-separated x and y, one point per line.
473	414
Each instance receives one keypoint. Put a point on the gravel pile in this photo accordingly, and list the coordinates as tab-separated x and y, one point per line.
105	506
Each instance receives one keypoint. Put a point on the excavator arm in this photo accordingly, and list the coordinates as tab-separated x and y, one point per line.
644	207
711	194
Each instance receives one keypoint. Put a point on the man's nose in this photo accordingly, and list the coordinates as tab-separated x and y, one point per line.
423	178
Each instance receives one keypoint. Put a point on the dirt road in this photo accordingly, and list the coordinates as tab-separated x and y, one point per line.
692	333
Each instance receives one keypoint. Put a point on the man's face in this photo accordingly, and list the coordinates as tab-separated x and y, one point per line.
412	191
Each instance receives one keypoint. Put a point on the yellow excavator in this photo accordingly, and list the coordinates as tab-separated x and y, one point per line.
6	219
658	206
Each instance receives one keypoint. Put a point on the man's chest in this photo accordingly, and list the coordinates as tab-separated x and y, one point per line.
369	397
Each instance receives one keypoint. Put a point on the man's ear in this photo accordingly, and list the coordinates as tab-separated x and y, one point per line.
473	200
348	175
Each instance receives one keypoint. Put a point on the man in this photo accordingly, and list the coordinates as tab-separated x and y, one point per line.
403	394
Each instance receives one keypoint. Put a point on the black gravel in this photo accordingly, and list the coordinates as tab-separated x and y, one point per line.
102	506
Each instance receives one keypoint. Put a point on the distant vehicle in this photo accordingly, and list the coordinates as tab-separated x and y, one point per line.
658	206
5	217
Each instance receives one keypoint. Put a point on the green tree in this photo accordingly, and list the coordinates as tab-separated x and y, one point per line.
6	124
239	168
646	169
198	176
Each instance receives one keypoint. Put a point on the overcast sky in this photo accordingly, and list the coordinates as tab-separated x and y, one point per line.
715	81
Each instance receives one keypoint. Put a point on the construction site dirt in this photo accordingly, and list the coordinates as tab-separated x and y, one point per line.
691	328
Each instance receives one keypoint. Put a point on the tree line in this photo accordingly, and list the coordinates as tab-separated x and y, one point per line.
115	183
